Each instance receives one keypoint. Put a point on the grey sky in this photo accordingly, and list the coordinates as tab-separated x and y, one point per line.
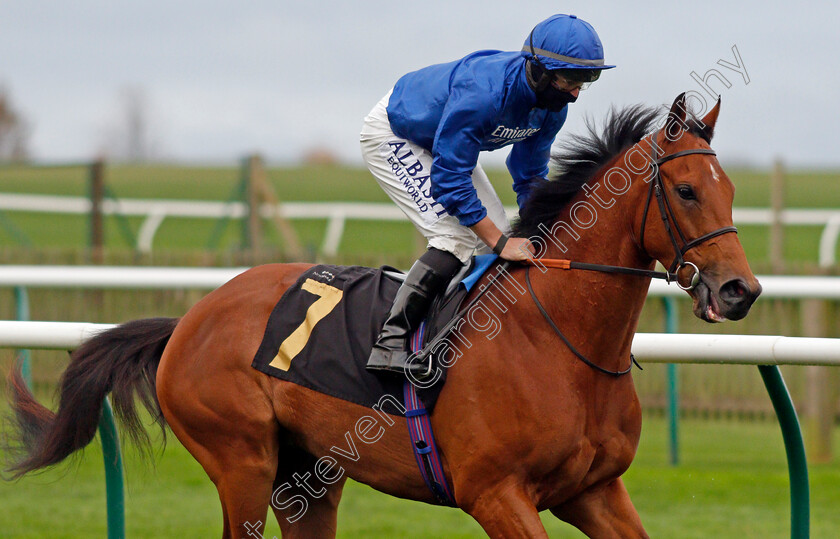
226	78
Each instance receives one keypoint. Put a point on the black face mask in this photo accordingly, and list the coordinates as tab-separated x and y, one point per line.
553	99
548	97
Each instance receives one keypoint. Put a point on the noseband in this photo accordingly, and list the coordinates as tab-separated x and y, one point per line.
666	212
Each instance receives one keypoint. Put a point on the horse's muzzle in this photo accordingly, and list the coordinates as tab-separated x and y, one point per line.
737	297
732	301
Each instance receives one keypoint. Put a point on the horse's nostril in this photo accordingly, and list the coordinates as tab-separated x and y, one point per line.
734	291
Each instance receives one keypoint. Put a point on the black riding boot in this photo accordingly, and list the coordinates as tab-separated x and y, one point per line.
426	279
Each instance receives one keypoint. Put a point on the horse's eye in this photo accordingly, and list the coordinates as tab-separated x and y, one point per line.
686	192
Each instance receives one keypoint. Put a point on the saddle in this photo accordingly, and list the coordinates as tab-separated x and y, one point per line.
320	333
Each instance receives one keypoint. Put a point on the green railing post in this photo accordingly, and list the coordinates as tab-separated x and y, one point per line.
122	221
14	231
96	191
248	201
22	313
114	488
671	323
237	195
800	503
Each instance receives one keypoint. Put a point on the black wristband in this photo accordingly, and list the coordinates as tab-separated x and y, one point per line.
500	245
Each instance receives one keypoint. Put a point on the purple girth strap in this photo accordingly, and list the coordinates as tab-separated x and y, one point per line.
422	439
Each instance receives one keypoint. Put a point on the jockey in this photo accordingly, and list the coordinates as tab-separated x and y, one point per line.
422	141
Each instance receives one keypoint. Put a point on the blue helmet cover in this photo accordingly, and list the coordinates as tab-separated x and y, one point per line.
566	42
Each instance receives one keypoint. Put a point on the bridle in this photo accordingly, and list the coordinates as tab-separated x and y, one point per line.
657	187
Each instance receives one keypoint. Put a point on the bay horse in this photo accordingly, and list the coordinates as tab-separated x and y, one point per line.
522	424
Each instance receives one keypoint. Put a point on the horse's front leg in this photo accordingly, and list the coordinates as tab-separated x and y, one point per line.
603	511
504	511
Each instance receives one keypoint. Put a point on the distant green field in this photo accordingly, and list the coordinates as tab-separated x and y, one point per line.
732	483
804	189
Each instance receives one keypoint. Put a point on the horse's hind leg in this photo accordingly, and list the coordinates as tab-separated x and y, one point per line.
304	505
243	469
604	510
237	446
504	510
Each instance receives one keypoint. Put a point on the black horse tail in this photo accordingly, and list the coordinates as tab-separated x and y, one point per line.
122	361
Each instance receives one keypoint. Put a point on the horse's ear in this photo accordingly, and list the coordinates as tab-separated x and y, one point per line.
709	121
675	123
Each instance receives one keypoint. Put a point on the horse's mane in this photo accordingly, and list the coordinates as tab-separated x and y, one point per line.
581	157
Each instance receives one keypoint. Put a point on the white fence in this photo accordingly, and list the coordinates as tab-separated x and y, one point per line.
123	277
690	348
337	213
649	347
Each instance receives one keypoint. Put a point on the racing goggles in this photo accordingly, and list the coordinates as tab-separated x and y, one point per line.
574	79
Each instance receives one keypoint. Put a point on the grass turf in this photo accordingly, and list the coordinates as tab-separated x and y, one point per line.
732	482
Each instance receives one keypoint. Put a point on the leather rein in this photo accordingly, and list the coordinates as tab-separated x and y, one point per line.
657	188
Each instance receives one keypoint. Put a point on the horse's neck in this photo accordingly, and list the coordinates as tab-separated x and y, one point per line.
599	226
605	305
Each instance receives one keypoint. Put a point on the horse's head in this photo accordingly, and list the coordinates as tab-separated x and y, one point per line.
686	222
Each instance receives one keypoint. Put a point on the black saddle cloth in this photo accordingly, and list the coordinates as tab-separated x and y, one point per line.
321	332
